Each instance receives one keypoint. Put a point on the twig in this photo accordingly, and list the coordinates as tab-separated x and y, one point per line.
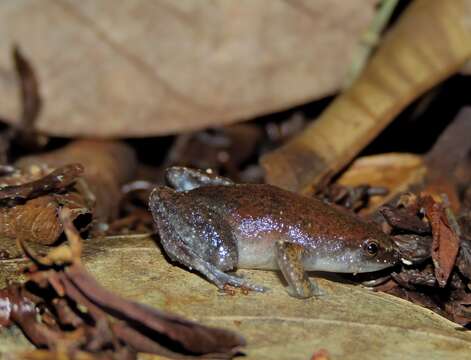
369	40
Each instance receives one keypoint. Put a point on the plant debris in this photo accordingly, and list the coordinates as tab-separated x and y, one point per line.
354	198
446	240
100	187
62	308
436	258
56	181
107	166
29	201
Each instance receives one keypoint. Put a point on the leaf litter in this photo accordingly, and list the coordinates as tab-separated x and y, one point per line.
66	313
61	307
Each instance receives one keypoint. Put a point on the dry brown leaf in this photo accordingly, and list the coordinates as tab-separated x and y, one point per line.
146	68
446	242
349	322
430	41
34	221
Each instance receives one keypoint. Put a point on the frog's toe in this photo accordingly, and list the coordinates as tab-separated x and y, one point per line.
254	287
239	282
305	290
221	279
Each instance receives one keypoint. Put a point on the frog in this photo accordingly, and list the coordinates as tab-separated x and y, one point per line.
214	226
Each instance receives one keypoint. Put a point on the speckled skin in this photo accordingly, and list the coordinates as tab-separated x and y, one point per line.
218	228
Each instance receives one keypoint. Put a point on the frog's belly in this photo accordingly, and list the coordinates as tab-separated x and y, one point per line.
256	255
260	254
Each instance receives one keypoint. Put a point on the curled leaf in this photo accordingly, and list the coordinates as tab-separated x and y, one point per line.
445	243
28	210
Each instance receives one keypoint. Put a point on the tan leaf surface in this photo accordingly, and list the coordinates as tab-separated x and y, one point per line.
154	67
349	322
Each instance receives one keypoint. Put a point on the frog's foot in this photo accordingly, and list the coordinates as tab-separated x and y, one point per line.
290	261
185	179
222	279
314	291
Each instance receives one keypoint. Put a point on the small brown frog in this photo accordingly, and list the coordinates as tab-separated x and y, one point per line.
213	225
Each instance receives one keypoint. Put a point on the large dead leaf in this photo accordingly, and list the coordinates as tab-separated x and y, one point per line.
144	68
430	41
350	322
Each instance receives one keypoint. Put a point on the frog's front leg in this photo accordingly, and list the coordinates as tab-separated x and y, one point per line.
289	257
184	179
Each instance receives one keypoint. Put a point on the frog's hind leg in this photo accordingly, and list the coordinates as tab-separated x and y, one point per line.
196	245
190	259
289	257
185	179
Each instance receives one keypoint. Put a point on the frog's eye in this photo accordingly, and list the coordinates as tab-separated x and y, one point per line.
371	247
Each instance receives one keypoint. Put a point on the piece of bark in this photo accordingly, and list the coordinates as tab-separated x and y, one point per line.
213	63
428	43
107	166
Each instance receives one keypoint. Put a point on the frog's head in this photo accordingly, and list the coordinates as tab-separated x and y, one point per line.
376	253
371	252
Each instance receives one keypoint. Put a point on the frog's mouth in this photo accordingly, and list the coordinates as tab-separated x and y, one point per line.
350	262
372	266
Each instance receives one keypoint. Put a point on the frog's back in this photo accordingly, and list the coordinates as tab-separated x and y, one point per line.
261	207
